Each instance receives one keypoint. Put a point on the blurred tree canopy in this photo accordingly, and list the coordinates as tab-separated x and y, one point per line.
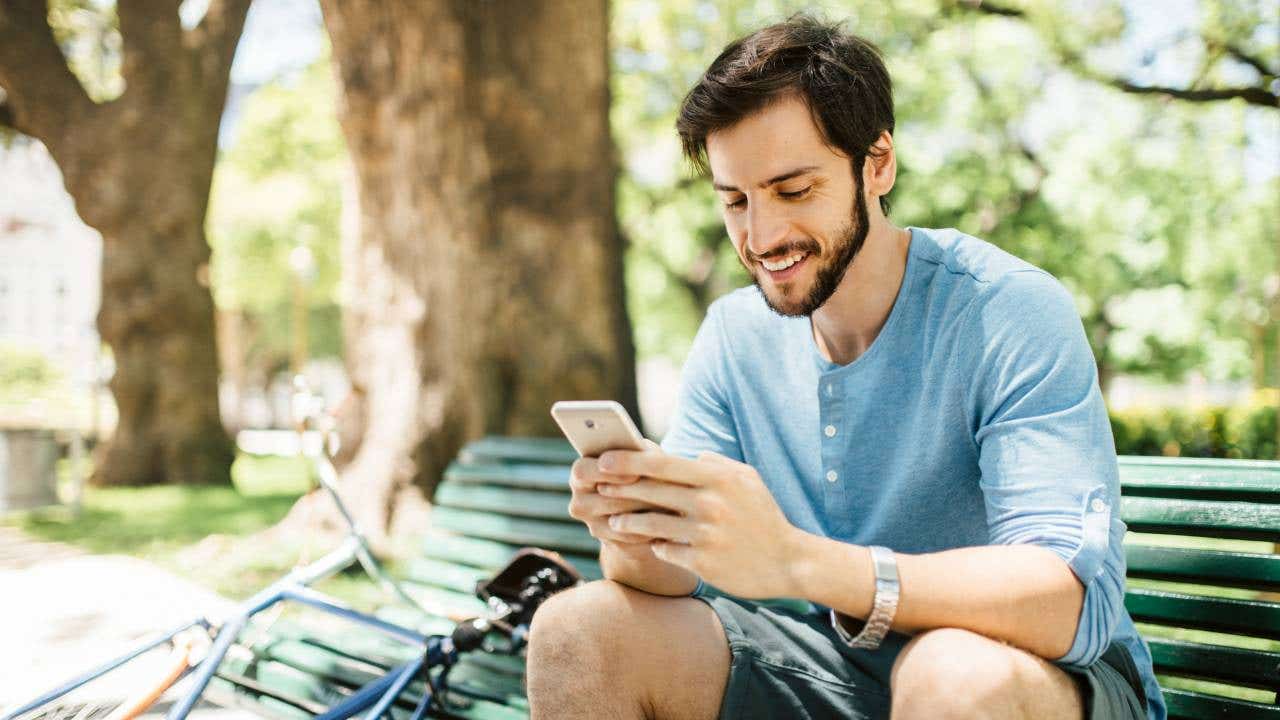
279	187
1034	130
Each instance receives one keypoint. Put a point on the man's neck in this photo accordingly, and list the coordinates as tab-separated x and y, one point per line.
846	325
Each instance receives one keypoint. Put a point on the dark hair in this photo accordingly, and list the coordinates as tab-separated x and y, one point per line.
840	76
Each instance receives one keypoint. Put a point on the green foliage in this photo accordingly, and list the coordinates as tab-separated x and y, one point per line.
277	188
1235	432
88	32
33	391
1145	208
26	371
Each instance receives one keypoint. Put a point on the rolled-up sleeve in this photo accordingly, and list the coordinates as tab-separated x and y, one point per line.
1047	457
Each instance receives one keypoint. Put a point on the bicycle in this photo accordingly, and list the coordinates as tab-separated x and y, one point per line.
199	646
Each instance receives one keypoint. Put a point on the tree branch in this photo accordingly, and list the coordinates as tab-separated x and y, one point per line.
43	97
1251	95
214	41
152	33
1254	95
1251	60
993	8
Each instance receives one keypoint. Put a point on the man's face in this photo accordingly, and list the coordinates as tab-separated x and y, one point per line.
792	206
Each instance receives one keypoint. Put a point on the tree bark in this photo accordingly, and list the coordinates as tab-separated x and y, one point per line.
482	259
139	169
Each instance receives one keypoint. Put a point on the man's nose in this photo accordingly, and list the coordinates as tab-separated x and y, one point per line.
766	230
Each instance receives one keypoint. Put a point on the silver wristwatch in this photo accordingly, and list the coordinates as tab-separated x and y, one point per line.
883	606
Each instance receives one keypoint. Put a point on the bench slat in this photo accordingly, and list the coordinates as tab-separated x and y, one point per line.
309	668
441	601
493	555
494	448
1240	520
459	578
1201	479
289	684
531	477
1253	618
505	501
1233	666
228	694
1250	571
1187	705
571	537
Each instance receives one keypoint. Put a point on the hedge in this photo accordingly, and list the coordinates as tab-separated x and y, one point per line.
1221	432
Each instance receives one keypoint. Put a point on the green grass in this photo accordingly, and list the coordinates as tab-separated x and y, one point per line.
152	522
199	533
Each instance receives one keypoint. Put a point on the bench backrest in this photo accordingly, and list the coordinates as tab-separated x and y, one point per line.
1204	582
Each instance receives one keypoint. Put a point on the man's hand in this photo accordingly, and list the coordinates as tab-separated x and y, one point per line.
593	509
723	523
624	558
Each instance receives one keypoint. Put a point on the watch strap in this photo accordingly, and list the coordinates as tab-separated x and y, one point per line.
883	607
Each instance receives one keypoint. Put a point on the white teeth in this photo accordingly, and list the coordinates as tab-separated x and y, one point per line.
784	263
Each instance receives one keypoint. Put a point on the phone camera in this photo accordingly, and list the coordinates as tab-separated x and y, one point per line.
590	424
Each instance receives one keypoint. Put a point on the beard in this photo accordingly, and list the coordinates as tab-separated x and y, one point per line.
831	269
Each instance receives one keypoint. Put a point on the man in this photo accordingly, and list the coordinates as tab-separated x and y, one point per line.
901	426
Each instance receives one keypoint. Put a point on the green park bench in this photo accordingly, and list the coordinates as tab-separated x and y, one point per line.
1204	585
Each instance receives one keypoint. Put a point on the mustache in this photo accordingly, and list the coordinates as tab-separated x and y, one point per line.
804	247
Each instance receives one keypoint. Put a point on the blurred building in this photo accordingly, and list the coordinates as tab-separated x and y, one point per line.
50	264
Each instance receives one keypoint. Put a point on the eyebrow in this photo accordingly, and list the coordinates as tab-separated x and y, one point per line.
771	181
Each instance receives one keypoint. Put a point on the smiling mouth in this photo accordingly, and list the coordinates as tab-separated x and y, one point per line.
783	268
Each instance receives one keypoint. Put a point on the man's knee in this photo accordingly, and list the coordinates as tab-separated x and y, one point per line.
667	654
579	624
954	673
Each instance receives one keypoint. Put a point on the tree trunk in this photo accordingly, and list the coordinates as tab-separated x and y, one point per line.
139	169
482	259
157	316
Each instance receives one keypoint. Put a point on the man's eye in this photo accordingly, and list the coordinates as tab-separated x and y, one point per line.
736	203
797	194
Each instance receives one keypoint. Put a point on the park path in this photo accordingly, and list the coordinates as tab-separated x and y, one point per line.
63	611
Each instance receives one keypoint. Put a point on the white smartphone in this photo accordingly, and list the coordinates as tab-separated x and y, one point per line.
594	426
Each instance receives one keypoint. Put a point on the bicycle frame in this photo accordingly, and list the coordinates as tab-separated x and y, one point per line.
375	696
380	693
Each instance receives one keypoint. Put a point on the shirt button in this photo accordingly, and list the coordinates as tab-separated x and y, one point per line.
1098	505
831	476
830	430
830	390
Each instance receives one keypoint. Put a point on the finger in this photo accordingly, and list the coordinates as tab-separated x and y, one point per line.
585	475
589	506
655	492
654	525
658	464
673	552
600	530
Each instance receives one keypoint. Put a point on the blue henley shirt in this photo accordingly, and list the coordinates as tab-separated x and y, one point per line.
974	418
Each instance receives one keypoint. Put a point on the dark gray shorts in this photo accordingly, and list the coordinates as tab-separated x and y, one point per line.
791	664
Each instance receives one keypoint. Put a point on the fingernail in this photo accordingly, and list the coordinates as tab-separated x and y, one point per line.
614	521
606	461
606	489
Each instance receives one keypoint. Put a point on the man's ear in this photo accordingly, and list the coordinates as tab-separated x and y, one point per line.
880	169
